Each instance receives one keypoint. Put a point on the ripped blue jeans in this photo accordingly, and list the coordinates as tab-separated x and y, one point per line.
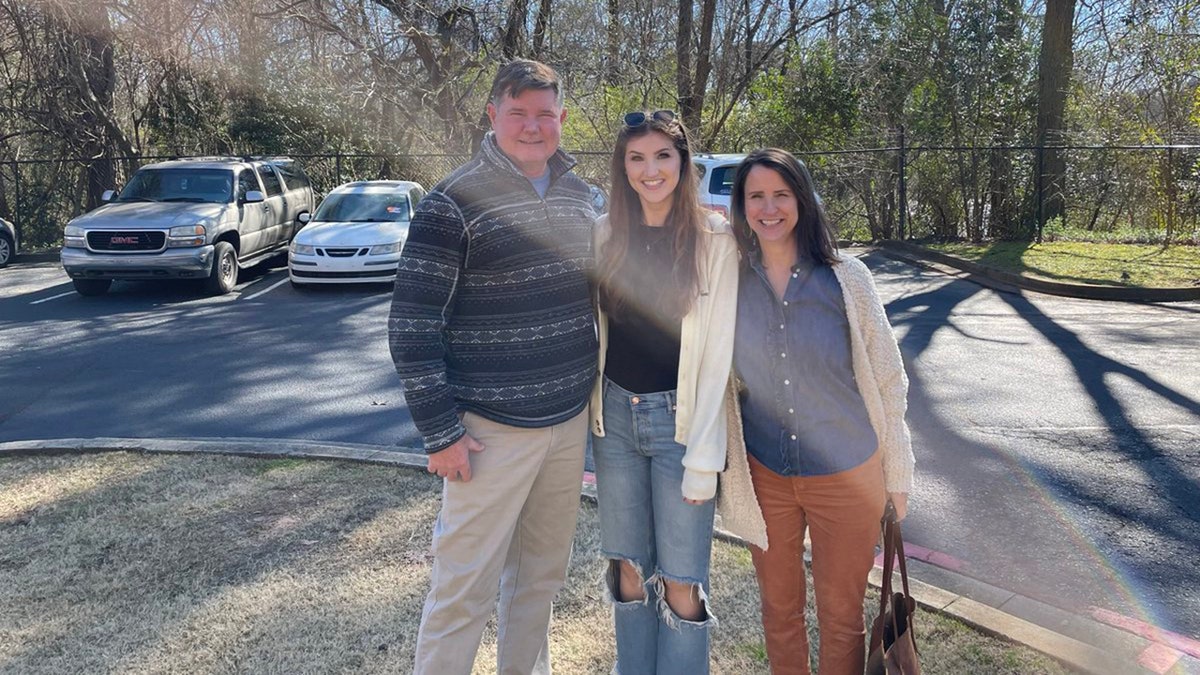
644	520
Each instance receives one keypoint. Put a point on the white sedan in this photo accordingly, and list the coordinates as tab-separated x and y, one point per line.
356	235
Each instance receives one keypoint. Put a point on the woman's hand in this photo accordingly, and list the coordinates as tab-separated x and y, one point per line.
900	501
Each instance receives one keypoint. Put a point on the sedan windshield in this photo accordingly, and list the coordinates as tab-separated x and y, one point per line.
363	207
179	185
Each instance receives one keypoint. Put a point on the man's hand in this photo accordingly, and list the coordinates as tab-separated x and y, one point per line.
453	462
900	501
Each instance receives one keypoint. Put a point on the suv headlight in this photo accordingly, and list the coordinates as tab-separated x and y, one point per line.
186	235
73	237
303	249
384	249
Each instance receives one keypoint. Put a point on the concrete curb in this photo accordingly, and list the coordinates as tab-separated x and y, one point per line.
1080	643
1010	282
261	448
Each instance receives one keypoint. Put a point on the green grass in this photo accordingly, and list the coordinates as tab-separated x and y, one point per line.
132	563
1135	265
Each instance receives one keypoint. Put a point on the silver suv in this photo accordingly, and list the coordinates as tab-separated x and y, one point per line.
201	218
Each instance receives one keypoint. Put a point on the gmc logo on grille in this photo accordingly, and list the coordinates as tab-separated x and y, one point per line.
114	241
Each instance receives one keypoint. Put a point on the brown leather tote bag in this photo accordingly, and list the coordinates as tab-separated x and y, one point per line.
893	645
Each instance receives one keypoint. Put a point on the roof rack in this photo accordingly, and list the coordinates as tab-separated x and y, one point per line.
211	158
275	159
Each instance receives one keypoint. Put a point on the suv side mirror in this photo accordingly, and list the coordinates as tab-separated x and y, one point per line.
108	195
254	196
304	218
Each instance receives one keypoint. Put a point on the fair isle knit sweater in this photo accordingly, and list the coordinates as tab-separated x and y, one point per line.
491	311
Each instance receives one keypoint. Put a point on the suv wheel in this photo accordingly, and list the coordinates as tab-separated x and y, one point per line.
91	287
224	273
6	250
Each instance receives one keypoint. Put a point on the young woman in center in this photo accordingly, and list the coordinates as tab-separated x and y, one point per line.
667	292
823	412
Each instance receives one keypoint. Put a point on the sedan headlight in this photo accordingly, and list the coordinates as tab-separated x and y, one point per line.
303	249
384	249
73	237
186	235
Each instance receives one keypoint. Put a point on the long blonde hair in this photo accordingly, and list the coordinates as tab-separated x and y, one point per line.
687	219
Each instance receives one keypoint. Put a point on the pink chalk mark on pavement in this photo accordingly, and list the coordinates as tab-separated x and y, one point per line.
1162	637
937	558
1158	658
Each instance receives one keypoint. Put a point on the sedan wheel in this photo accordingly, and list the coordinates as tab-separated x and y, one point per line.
6	250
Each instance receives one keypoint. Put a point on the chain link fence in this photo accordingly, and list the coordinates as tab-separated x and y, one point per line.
1146	194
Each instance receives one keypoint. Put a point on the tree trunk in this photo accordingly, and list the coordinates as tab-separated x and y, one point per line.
612	66
748	41
1054	75
87	44
1003	219
541	28
789	49
708	13
683	72
692	83
514	30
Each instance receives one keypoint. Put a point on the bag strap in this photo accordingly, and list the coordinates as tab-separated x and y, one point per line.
889	553
897	544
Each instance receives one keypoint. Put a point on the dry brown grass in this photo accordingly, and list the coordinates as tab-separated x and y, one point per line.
152	564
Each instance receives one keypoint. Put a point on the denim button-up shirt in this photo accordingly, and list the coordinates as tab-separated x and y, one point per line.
802	412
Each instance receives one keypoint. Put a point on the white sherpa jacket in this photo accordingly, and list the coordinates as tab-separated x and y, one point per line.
879	372
705	360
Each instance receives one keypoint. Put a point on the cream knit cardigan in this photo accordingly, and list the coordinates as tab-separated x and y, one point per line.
879	372
705	359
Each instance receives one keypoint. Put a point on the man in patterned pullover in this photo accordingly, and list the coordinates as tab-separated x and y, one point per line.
491	331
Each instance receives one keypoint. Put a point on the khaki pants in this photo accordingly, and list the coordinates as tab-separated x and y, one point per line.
510	527
841	512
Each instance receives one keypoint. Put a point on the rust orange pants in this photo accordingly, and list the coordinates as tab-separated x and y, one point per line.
841	512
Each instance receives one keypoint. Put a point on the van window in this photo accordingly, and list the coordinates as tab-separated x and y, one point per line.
246	183
721	182
293	177
270	181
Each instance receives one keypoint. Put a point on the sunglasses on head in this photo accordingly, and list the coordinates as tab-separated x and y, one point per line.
637	119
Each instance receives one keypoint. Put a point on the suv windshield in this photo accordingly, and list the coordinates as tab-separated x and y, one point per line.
179	185
363	207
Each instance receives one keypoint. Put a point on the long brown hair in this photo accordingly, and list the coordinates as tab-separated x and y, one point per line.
814	233
687	220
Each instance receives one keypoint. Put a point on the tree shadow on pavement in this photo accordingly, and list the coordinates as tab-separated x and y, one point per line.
1023	487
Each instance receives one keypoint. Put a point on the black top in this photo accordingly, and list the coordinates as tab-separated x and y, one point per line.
643	338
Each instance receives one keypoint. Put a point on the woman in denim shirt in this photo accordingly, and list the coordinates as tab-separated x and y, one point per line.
822	411
667	294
